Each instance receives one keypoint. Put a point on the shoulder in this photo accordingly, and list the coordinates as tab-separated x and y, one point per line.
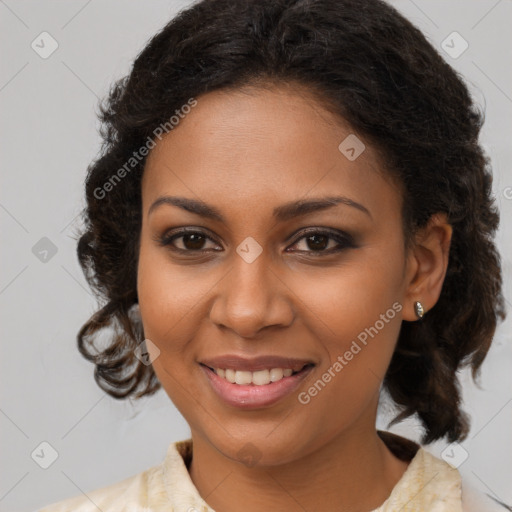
433	478
150	490
131	494
462	488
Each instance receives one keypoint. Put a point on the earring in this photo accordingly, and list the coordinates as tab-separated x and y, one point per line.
419	310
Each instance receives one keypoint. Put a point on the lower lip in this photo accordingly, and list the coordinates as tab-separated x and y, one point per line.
251	396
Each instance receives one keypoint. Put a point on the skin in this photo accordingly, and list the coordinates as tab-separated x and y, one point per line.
246	152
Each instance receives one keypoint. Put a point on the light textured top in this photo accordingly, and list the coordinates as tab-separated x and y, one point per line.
428	484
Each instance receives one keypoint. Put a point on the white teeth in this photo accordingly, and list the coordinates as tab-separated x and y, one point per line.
258	378
276	374
230	376
243	378
261	377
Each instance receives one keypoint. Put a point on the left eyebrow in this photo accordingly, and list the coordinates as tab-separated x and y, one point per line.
303	207
281	213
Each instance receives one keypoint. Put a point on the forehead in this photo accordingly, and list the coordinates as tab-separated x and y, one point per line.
262	146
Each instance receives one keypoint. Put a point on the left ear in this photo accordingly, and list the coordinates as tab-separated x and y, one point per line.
427	265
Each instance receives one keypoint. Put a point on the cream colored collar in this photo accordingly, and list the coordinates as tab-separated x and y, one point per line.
428	484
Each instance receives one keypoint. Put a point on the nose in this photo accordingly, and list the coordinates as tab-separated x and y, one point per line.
252	297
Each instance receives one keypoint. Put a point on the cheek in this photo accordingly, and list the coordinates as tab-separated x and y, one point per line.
169	297
352	297
355	314
356	357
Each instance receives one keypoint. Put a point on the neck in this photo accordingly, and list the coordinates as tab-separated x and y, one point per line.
355	472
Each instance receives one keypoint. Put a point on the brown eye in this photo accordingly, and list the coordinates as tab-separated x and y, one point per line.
193	241
186	241
324	242
317	242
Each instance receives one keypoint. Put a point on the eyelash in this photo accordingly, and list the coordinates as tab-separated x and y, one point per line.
344	240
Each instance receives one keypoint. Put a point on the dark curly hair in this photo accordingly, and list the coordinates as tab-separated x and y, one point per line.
369	65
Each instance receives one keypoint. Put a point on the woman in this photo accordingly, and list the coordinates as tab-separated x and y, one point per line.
291	214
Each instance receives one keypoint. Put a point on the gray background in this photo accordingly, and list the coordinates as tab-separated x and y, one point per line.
49	136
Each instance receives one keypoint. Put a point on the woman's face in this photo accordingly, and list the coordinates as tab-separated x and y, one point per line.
261	285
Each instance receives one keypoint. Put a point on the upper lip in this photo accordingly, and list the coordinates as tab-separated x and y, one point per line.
254	364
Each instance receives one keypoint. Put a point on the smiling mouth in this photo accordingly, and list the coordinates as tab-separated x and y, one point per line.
257	378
